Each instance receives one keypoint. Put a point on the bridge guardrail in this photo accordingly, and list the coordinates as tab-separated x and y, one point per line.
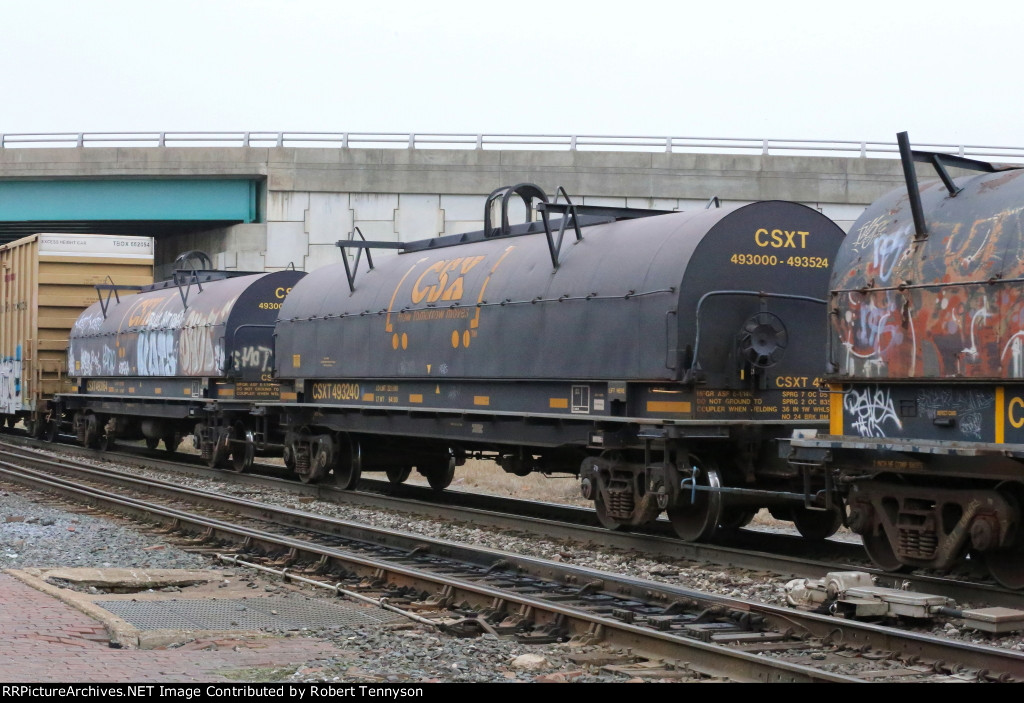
551	142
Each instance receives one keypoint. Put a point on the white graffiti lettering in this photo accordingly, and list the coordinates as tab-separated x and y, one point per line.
10	385
869	410
259	358
155	346
888	250
970	354
202	340
969	406
1015	347
868	232
86	363
970	424
154	353
89	322
109	360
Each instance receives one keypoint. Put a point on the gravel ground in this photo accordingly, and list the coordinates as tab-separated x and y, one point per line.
381	655
36	535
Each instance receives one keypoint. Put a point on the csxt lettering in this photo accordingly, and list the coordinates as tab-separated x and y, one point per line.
781	238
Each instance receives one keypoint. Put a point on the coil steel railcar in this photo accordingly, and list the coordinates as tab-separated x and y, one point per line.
190	355
926	361
659	356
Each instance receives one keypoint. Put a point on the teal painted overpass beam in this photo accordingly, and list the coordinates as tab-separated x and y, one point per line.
215	199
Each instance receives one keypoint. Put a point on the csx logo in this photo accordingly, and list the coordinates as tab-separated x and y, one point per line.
1015	413
443	280
280	292
780	238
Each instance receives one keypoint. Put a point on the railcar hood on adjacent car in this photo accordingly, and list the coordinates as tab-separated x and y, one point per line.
948	305
221	327
621	305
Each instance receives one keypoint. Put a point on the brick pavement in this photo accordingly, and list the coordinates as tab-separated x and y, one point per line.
45	640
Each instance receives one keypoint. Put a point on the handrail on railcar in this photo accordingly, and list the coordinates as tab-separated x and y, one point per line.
112	289
362	245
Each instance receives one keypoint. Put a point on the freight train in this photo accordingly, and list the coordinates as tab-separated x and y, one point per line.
702	364
661	357
925	360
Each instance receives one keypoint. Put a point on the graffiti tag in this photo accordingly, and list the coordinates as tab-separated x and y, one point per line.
870	410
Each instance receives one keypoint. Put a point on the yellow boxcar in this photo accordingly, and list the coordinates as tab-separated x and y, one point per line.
48	280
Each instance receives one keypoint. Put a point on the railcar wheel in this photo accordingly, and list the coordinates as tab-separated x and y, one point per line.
346	475
321	458
348	467
171	442
243	449
880	552
816	524
606	520
35	427
106	442
219	451
440	473
152	442
1007	567
398	474
735	518
698	521
218	458
91	435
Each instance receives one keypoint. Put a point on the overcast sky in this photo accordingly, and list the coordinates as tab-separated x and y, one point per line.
947	72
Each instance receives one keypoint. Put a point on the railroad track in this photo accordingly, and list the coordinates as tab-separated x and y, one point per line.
783	554
467	590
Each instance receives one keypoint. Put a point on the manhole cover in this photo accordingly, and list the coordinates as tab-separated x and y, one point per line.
271	613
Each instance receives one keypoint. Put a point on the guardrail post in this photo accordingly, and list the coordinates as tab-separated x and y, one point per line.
764	148
1	141
863	150
280	138
245	139
668	145
479	141
344	140
81	140
572	143
412	141
163	139
961	150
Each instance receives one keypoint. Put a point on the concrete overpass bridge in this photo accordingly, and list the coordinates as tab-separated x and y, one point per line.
264	201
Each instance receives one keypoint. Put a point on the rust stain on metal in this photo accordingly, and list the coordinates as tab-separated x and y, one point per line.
949	306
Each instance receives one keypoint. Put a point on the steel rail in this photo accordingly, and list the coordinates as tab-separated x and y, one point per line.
747	550
983	659
709	659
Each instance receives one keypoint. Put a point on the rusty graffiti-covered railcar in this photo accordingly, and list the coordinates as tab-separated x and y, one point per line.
926	362
657	355
189	355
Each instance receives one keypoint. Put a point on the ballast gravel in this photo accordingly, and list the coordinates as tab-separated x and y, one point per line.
35	534
409	655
